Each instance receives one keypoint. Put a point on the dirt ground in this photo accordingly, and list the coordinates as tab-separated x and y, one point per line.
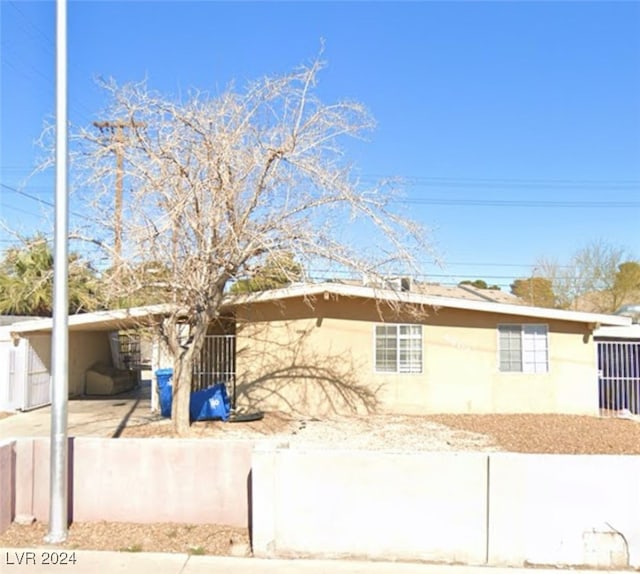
182	538
561	434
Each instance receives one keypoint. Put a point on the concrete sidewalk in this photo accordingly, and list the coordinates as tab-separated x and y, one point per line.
87	416
90	562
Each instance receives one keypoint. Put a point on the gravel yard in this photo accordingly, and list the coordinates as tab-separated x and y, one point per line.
375	432
187	538
559	434
562	434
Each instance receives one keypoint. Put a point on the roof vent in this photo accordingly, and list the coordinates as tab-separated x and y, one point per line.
395	283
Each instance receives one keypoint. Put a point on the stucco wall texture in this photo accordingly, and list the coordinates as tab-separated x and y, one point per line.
138	480
319	359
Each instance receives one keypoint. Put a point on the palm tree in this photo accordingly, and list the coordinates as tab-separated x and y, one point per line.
26	281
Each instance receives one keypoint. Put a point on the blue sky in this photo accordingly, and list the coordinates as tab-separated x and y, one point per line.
516	125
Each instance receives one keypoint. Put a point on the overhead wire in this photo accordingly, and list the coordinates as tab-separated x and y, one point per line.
511	182
45	41
522	203
44	201
19	210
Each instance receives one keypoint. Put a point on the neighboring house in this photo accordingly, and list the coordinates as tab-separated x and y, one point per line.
324	348
460	291
597	300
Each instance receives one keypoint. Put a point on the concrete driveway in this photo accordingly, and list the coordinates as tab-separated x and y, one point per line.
88	416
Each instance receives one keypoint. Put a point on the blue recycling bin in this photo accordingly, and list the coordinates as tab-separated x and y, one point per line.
211	403
165	390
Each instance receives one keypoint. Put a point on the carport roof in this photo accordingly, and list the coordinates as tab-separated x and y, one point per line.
96	321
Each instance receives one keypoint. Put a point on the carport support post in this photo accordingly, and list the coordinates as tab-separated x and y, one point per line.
58	526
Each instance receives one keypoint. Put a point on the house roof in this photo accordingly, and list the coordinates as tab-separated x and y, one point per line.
129	318
467	292
11	319
455	291
418	298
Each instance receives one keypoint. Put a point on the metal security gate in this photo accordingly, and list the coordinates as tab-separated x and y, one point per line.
217	363
619	377
125	350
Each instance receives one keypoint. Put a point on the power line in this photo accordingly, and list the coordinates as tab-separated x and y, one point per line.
511	182
348	274
517	203
484	264
19	210
43	202
435	179
28	195
48	43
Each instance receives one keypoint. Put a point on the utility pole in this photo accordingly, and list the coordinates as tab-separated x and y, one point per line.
58	457
116	130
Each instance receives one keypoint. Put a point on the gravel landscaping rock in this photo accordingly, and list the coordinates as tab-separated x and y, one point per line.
559	434
562	434
189	538
375	432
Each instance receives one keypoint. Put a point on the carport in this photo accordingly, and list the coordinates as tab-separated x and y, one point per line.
25	352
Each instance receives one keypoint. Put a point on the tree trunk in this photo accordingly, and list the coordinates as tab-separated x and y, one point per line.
183	374
181	396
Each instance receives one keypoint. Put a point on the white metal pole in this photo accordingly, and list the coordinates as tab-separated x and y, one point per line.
58	495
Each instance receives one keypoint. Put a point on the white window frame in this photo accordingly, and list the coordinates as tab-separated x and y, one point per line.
400	369
527	367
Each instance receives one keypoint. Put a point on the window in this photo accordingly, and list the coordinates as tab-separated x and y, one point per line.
523	348
398	348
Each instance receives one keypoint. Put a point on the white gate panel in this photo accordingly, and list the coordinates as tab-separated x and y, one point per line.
10	394
38	379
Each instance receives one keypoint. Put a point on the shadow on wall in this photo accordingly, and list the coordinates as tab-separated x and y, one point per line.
291	368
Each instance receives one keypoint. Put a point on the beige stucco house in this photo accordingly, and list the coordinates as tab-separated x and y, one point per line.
331	347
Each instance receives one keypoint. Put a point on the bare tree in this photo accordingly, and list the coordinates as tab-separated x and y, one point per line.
588	279
215	185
